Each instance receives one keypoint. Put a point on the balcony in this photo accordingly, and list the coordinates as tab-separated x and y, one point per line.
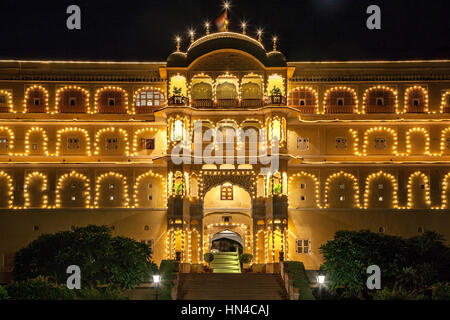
227	103
112	109
252	103
146	109
340	109
4	109
73	109
380	109
202	103
35	109
178	101
415	109
306	109
276	100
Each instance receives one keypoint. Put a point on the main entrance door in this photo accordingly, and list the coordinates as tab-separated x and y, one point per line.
227	241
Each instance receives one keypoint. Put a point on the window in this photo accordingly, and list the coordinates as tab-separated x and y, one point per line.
4	142
178	131
303	198
73	101
341	198
74	198
422	186
2	99
416	102
37	101
381	229
380	101
111	198
149	99
342	186
148	144
341	143
302	186
302	143
303	246
150	186
420	230
73	143
111	186
226	219
380	143
340	101
380	198
112	143
380	186
150	197
302	102
111	102
34	147
226	192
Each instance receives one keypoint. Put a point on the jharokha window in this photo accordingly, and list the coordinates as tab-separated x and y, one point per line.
380	100
226	192
73	100
112	101
147	101
303	99
36	100
416	100
340	101
4	103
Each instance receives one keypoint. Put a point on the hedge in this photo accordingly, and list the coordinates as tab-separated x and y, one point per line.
296	269
166	271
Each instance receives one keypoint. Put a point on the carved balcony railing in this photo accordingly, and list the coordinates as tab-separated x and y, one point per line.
306	109
380	109
202	103
178	101
73	109
36	109
276	100
252	103
227	103
112	109
415	109
339	109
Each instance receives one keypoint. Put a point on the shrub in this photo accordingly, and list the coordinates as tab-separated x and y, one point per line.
167	271
398	293
3	294
297	270
39	289
441	291
105	293
103	259
208	257
246	258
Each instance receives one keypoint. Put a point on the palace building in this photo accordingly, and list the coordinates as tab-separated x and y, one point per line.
357	145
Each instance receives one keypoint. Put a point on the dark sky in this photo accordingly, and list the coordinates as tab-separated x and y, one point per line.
144	30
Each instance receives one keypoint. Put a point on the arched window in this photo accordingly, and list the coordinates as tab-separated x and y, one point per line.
6	101
72	100
36	100
381	191
305	99
342	191
340	100
111	100
147	100
416	100
380	99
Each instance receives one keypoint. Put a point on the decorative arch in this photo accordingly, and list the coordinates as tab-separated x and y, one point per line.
72	99
8	106
444	134
422	131
74	175
305	99
121	131
36	100
426	184
334	95
393	184
445	189
380	99
61	132
209	179
124	192
380	129
136	136
104	97
42	132
307	175
445	102
9	146
148	99
146	175
355	186
8	197
28	181
416	100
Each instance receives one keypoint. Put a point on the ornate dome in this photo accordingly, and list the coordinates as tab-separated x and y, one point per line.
227	40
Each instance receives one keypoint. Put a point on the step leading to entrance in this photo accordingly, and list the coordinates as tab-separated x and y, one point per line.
226	262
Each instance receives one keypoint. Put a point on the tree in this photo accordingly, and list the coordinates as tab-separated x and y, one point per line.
103	259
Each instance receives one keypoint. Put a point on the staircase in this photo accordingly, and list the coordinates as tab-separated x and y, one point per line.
231	286
226	262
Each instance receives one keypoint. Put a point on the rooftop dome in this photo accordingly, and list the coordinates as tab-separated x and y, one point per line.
226	40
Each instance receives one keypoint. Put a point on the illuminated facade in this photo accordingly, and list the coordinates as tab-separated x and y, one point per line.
361	145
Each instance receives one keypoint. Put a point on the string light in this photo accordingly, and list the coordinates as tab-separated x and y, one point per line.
380	129
346	176
368	94
394	188
31	131
410	94
74	176
110	89
307	175
8	99
305	90
121	131
445	185
10	139
444	102
27	103
72	130
422	131
28	180
10	187
340	89
426	184
61	91
152	90
121	178
139	180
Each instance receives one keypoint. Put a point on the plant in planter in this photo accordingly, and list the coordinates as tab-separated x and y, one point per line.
277	189
177	96
178	188
208	257
245	259
275	95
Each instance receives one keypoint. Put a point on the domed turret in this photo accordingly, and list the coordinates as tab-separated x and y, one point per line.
177	59
276	59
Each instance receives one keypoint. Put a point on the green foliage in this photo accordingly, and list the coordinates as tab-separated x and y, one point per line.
277	188
167	272
3	294
39	288
397	293
441	291
410	264
208	257
103	259
297	270
245	258
178	188
275	91
103	293
176	91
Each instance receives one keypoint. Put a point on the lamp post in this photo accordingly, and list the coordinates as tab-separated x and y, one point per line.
320	280
156	280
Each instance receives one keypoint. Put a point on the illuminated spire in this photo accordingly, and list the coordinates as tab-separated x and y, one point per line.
275	39
207	27
260	35
191	34
178	40
243	26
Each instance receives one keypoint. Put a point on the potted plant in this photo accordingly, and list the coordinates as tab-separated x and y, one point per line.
177	96
208	257
245	259
277	189
275	95
178	188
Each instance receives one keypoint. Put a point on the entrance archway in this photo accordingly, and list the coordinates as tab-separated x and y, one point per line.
227	241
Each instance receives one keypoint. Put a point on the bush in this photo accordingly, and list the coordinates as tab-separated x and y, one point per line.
103	259
297	270
39	288
398	293
245	258
3	294
106	293
441	291
208	257
167	271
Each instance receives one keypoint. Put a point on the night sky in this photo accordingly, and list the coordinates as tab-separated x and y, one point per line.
144	30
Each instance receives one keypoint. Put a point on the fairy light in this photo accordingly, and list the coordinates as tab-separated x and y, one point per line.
10	139
152	90
28	180
260	32
10	192
124	192
426	183
121	131
59	96
445	185
140	132
412	93
139	180
106	90
346	176
27	103
444	135
444	102
71	130
73	175
306	175
338	89
369	92
355	137
8	99
391	131
306	91
422	131
388	176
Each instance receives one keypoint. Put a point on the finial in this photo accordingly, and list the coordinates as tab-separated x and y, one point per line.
243	25
207	27
275	43
260	35
178	40
191	33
